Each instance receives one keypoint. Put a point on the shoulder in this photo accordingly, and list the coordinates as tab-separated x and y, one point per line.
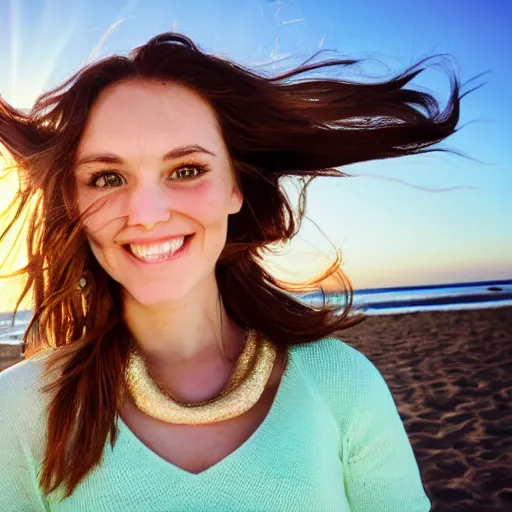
332	359
342	377
22	434
21	400
22	375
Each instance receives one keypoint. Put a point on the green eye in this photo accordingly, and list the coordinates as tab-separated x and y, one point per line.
106	179
186	173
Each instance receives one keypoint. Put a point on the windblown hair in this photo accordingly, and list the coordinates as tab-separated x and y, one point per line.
279	126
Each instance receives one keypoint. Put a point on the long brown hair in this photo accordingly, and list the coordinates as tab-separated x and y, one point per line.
273	127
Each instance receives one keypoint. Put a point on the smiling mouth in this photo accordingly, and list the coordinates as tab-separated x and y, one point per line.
155	253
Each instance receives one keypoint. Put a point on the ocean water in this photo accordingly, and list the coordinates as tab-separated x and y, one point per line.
410	299
377	301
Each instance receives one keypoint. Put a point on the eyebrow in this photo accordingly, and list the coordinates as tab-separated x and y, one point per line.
109	158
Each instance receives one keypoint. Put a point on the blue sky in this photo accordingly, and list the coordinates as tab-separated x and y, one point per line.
390	233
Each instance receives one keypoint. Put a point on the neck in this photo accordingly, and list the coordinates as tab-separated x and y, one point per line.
193	331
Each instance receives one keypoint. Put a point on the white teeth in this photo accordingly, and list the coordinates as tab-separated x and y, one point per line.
155	252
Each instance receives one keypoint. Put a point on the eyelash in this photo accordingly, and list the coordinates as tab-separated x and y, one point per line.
202	168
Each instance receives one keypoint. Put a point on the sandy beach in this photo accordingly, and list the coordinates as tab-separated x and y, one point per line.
9	355
451	376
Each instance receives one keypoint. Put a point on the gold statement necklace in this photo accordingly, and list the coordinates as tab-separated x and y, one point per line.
243	390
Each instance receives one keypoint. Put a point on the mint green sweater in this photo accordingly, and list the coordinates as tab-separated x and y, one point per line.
332	441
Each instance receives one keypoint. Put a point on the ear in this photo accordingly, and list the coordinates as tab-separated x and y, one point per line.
236	200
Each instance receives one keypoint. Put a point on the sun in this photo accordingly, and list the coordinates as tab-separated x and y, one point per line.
12	250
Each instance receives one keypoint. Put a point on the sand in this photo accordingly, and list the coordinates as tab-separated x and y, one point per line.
9	355
451	376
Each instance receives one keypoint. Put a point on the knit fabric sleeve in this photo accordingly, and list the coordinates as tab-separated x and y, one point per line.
20	442
381	472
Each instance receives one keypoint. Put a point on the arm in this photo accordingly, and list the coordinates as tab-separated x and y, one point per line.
381	472
19	491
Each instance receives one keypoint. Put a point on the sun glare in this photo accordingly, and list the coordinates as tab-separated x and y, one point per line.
12	248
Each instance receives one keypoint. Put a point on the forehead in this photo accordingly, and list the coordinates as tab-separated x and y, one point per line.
136	117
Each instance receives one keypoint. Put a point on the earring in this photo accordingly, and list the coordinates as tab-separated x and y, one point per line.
83	282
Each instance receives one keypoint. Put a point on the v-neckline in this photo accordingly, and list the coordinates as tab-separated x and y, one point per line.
274	410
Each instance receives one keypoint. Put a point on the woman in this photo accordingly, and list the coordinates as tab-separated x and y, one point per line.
169	370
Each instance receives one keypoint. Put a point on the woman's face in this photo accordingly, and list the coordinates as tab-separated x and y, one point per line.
153	167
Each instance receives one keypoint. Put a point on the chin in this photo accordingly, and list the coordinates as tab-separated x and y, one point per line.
153	296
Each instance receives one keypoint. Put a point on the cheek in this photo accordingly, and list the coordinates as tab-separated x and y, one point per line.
105	254
100	214
208	203
101	227
99	244
96	250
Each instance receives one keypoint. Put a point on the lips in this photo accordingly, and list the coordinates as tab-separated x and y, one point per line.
165	249
159	240
154	252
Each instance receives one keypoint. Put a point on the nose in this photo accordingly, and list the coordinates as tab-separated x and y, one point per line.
148	205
